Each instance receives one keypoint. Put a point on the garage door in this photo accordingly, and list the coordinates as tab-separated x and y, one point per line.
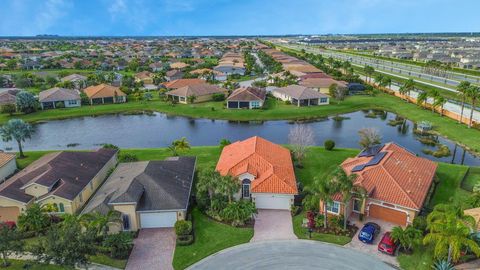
387	214
272	202
9	213
158	220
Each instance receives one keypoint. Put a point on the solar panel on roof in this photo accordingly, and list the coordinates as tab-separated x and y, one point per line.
376	159
358	168
368	152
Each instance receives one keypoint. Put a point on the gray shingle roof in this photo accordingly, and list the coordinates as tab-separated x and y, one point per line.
152	185
248	94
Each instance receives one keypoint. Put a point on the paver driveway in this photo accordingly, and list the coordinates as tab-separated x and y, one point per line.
273	225
153	250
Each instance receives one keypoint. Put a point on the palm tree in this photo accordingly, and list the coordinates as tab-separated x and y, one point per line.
449	231
324	190
100	222
406	88
433	94
406	237
462	89
344	184
379	78
474	95
227	186
18	130
369	71
179	145
439	102
422	99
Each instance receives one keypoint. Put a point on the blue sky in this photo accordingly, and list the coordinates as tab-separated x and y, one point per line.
235	17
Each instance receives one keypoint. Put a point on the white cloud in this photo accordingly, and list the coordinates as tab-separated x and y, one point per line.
51	12
117	7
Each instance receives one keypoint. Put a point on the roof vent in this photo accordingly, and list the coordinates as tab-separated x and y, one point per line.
76	178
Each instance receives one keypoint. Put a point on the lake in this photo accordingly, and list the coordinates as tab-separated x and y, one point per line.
159	130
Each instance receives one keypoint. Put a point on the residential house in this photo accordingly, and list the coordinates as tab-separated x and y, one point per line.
158	66
175	84
8	95
247	98
178	65
79	81
173	74
104	93
264	170
201	92
8	165
148	194
145	76
322	84
59	98
231	63
396	182
300	95
64	179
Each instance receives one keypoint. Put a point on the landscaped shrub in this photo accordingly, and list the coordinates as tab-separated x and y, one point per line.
238	213
329	145
60	105
110	146
127	157
185	240
420	223
218	97
183	227
120	244
8	108
288	102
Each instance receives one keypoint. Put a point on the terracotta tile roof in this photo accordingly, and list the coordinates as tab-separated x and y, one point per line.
321	82
102	91
144	75
58	94
182	82
299	92
399	178
271	164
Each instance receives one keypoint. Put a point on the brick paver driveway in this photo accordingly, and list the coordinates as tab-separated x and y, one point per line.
273	225
153	250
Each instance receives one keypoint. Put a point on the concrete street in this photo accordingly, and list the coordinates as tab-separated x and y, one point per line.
290	254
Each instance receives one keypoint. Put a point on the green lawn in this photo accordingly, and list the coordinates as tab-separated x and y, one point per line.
421	259
21	265
449	188
302	233
210	237
472	178
106	260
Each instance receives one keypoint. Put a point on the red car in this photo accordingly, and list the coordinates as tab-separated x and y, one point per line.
387	245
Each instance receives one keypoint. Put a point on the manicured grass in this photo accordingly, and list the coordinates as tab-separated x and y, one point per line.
106	260
449	188
420	259
319	163
20	265
472	178
29	158
302	233
210	237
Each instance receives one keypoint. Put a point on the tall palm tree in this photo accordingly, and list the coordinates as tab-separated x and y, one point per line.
100	222
462	89
474	95
449	231
369	71
439	102
433	94
406	88
344	184
324	190
18	130
422	99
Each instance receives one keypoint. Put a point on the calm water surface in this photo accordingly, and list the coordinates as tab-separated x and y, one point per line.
159	130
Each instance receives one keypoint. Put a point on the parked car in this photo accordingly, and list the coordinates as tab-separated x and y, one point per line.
387	244
368	233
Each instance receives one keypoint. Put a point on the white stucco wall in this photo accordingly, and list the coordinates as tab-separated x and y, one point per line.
8	169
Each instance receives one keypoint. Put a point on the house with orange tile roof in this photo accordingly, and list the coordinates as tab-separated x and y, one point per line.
397	184
104	93
264	169
179	83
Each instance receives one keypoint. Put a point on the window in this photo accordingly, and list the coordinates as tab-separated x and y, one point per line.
126	222
323	100
255	104
333	207
357	205
246	190
61	208
72	102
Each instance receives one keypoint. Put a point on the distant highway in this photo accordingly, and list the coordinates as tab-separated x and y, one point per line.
452	79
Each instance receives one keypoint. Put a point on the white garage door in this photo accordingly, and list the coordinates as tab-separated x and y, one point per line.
158	220
272	202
